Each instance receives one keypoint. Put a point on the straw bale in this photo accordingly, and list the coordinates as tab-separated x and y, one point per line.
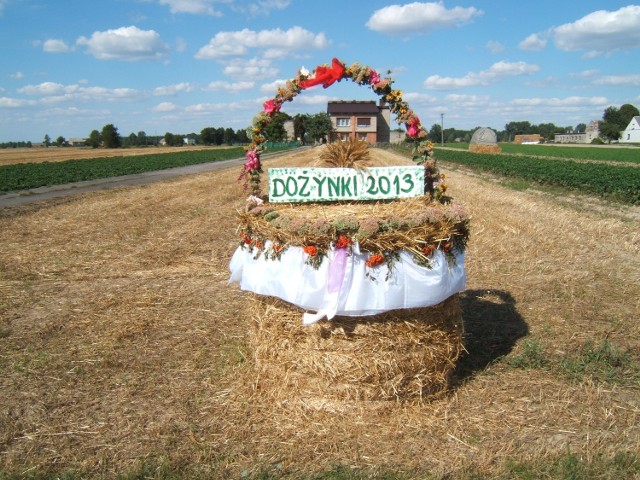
475	148
399	355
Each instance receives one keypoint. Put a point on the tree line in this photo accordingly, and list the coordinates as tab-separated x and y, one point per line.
312	128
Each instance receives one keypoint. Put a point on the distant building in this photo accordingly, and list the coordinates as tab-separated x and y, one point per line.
631	134
363	120
77	142
592	131
528	139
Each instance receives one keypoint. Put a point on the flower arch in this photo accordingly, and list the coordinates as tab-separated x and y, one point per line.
326	76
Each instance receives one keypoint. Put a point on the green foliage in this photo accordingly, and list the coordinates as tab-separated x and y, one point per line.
318	126
611	181
110	136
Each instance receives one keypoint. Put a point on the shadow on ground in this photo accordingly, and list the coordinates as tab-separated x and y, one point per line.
492	327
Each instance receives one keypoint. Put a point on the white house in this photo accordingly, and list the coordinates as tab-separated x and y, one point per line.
631	134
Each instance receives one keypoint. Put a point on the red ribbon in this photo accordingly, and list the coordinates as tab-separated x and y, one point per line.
326	76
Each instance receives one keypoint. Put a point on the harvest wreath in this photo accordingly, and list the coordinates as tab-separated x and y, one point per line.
351	258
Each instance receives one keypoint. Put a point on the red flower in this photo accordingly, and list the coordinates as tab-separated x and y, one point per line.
311	250
343	242
259	245
374	260
247	239
447	246
277	247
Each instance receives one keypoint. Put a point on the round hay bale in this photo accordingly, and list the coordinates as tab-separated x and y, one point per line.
398	355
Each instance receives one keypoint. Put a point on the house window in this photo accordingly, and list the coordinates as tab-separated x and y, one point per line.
364	122
362	136
343	122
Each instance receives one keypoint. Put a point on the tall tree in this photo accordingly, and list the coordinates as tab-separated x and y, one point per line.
142	138
133	139
319	126
229	136
110	136
627	112
208	135
47	140
60	141
94	139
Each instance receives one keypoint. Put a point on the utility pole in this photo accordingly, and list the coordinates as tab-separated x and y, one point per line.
442	128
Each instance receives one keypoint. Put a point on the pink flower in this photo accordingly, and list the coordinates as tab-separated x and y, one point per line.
253	161
374	78
413	129
271	106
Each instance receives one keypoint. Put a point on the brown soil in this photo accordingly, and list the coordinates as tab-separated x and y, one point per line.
121	342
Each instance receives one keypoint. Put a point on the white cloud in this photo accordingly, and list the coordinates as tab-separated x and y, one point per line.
253	68
272	87
533	43
419	17
494	46
54	45
601	32
238	43
630	80
263	7
494	73
17	75
125	43
559	102
170	90
231	87
6	102
165	107
47	89
196	7
51	92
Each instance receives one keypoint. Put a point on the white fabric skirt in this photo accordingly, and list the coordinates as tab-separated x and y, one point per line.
361	290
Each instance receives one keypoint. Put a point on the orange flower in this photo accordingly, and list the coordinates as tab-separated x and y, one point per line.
343	242
311	250
428	250
375	260
277	247
259	245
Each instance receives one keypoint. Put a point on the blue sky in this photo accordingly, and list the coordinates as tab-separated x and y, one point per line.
69	67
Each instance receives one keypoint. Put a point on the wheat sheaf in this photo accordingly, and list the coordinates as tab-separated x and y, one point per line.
352	153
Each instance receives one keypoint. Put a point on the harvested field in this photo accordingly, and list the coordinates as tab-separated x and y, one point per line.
11	156
122	344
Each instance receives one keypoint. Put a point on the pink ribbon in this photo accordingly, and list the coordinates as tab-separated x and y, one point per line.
336	270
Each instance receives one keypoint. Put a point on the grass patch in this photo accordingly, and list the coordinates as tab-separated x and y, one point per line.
565	467
602	363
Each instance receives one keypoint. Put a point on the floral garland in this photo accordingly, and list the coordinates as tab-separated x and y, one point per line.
326	76
422	233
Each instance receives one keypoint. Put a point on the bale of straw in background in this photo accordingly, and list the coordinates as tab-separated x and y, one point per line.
399	355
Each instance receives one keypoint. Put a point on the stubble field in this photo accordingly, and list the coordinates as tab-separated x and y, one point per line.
123	347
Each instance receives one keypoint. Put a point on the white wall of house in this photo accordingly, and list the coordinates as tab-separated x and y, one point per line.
631	134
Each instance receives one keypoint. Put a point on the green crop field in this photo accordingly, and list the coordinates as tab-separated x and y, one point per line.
602	153
616	182
32	175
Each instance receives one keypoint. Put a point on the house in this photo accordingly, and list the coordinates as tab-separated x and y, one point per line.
592	132
363	120
77	142
631	134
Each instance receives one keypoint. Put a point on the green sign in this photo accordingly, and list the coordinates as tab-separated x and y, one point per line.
303	184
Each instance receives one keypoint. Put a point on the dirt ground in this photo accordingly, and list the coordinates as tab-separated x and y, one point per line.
10	156
122	343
